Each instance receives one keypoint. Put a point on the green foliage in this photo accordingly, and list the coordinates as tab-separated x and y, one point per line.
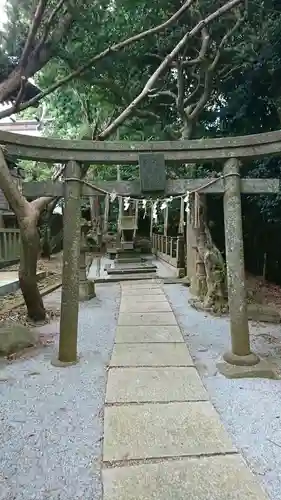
245	98
35	171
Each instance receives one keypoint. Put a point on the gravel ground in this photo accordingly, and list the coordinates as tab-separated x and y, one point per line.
52	418
249	408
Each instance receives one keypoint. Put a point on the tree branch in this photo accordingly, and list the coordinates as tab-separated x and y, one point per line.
20	94
40	203
32	32
167	93
196	89
15	199
48	25
203	50
209	72
110	50
164	65
180	86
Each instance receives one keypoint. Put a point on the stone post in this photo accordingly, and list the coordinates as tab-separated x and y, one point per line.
151	222
191	251
241	354
86	287
70	273
166	218
171	247
180	253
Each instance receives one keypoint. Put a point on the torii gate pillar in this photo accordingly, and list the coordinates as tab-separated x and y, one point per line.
237	296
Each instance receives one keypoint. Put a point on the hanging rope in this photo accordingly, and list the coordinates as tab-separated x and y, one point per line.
103	191
164	206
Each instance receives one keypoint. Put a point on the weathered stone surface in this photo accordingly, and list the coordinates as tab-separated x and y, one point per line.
163	430
146	319
141	292
136	385
237	301
130	306
14	338
140	334
156	297
140	284
152	172
263	369
172	354
212	478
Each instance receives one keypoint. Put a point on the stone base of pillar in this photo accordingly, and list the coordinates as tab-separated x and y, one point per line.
86	290
262	369
63	364
248	360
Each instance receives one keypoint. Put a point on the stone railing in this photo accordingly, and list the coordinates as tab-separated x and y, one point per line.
9	245
170	249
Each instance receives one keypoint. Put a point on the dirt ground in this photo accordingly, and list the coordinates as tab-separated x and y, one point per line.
263	292
11	307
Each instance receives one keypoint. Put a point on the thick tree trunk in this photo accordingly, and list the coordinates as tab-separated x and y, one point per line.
213	293
30	247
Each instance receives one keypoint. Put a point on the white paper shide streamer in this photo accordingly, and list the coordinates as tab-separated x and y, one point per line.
187	208
165	202
126	203
144	206
154	211
113	196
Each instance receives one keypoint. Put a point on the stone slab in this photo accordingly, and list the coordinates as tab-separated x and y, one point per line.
142	291
171	354
131	269
146	319
143	283
135	306
140	334
138	385
163	430
213	478
156	297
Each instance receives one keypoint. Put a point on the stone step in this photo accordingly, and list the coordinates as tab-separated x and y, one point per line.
131	270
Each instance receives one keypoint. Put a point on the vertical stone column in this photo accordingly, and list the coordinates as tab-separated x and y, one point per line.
240	341
151	222
191	252
86	287
166	218
180	253
136	218
70	274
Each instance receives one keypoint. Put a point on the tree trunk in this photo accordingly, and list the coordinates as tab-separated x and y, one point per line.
30	247
215	295
45	233
27	215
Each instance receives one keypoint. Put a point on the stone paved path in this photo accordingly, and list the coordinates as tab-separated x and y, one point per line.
163	439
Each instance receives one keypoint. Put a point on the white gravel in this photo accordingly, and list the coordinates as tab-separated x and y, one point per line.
51	419
249	408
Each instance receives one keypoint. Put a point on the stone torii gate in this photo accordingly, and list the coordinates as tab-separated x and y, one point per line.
230	151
